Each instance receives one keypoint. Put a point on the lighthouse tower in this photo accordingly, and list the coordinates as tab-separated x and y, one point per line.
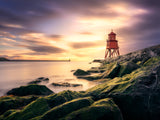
112	49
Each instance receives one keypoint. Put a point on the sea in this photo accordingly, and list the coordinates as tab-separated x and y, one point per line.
15	74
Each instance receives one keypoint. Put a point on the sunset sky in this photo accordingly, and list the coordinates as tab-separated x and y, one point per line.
75	29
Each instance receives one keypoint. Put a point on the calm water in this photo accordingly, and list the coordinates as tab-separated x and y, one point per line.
15	74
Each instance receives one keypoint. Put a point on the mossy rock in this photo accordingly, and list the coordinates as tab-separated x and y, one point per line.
66	108
104	109
36	108
113	72
42	105
127	68
80	72
151	61
13	102
62	97
30	90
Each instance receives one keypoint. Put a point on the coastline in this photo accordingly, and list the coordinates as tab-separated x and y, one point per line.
129	90
36	61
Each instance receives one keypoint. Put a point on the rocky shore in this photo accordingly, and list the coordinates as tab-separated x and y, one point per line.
129	90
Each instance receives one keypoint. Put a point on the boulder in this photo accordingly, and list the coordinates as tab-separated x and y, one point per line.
104	109
80	72
66	108
14	102
35	108
113	72
136	94
127	68
30	90
43	105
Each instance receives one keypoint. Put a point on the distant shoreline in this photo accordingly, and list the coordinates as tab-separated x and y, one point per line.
36	61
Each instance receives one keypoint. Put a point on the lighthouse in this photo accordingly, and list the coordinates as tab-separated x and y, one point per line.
112	49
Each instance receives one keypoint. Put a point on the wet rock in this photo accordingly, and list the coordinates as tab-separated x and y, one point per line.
30	90
80	72
136	94
39	80
113	72
43	105
127	68
66	84
66	108
14	102
104	109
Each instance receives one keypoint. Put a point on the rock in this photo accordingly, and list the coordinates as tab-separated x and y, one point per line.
35	82
14	102
30	90
66	84
113	72
136	94
104	109
43	79
96	70
127	68
90	77
37	107
66	108
42	105
73	70
80	72
39	80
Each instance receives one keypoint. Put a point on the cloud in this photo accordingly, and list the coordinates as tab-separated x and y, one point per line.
86	33
46	49
80	45
6	34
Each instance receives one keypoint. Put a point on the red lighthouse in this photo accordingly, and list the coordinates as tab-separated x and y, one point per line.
112	49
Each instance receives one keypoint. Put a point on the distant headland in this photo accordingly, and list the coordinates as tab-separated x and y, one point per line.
8	60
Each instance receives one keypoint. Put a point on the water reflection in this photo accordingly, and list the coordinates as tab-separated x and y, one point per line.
14	74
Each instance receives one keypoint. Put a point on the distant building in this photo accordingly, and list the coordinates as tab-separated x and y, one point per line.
112	48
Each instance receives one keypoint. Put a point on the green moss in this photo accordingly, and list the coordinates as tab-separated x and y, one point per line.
100	110
13	102
7	113
36	108
118	85
127	68
152	61
43	104
61	97
66	108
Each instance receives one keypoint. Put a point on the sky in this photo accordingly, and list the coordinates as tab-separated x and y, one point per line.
75	29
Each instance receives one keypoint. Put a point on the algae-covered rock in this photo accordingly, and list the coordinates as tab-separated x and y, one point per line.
137	94
127	68
113	72
151	61
36	108
66	108
13	102
80	72
42	105
30	90
104	109
62	97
